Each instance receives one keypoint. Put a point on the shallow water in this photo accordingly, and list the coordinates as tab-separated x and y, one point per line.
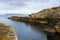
24	31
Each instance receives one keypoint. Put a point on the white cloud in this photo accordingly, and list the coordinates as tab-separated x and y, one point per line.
35	7
29	7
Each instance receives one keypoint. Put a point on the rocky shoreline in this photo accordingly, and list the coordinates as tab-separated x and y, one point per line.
48	19
7	33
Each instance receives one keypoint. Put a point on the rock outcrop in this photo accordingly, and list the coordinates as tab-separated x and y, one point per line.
7	33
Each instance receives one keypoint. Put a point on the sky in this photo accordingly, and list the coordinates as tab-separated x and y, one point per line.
26	6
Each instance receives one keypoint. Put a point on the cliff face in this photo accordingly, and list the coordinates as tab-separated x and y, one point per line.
52	16
47	13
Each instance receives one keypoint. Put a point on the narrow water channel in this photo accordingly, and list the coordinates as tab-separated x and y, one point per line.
25	31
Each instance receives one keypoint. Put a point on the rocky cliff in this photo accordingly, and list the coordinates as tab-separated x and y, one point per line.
49	19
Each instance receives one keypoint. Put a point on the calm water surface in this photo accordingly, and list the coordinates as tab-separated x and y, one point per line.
24	31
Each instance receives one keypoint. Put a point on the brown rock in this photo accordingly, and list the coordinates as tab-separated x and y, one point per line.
49	29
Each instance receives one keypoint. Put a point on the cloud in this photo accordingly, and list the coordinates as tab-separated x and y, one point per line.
25	6
35	7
